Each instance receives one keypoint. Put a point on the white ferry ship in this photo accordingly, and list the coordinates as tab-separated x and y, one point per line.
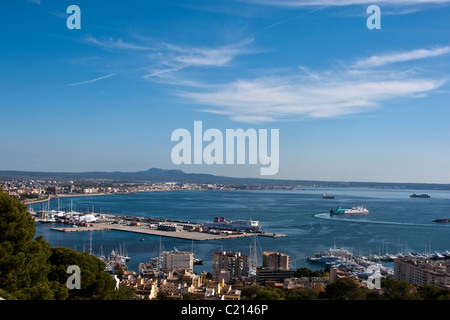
354	210
233	225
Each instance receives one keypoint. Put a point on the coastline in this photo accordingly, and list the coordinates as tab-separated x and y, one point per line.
51	197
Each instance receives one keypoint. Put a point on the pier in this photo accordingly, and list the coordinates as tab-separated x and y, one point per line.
182	234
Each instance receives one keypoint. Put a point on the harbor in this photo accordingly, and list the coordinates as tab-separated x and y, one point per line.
181	234
89	221
396	223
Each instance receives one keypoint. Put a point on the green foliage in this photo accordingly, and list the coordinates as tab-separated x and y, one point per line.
305	272
394	289
95	282
302	294
189	296
31	269
23	260
343	289
262	293
429	292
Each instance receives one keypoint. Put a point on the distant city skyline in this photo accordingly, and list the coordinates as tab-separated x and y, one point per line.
350	103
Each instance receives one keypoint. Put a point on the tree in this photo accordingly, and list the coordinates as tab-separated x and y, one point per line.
189	296
302	294
23	259
343	289
31	269
430	292
262	293
95	282
394	289
305	272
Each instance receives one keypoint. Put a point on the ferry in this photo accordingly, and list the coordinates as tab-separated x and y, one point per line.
354	210
249	225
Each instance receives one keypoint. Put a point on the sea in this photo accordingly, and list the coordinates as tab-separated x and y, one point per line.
396	223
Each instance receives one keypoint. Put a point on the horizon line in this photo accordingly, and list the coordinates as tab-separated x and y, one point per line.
229	177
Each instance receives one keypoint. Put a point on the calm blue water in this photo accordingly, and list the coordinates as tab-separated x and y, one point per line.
396	223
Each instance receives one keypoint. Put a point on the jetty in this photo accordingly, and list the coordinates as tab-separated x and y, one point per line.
180	234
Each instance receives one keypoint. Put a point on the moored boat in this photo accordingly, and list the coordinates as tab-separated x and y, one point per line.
221	223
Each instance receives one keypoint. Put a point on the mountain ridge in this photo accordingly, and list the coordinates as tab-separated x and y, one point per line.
175	175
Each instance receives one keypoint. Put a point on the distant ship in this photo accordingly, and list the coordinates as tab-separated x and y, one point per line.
354	210
233	225
327	196
441	220
419	195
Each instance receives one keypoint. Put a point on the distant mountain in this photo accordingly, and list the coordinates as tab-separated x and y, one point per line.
151	175
162	175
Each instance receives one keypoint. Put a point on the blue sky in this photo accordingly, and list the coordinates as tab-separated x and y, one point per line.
351	104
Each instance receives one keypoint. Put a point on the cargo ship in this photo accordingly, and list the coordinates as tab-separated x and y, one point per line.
354	210
419	195
248	225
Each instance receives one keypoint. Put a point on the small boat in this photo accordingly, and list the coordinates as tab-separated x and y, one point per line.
327	196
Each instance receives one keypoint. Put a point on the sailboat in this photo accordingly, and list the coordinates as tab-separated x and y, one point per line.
125	253
157	260
197	261
122	253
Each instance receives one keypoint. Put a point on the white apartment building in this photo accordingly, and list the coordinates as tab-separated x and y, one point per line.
175	260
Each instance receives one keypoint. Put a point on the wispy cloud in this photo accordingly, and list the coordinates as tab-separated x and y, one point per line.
160	59
340	3
34	1
116	44
172	58
382	60
310	94
91	81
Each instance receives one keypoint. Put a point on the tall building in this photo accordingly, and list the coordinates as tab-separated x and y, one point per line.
175	260
276	260
234	263
421	271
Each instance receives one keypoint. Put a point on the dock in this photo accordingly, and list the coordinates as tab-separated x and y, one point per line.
183	234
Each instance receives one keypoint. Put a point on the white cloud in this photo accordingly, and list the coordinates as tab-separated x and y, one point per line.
92	80
116	44
305	3
172	58
165	58
308	94
273	99
382	60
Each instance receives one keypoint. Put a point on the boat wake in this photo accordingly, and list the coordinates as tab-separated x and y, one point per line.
328	216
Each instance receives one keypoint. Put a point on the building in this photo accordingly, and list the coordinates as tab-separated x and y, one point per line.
276	260
235	263
170	227
175	260
421	271
314	283
145	288
264	274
